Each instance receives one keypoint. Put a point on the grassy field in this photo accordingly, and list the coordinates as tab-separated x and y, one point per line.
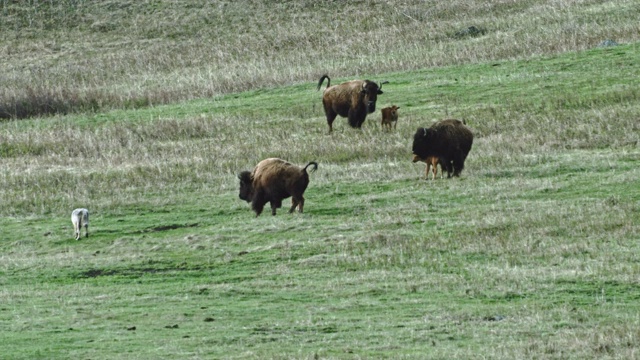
532	253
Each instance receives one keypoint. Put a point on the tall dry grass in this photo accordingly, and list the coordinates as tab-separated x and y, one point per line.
72	56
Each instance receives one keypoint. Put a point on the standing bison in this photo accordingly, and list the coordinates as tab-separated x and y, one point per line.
389	115
353	99
449	140
271	181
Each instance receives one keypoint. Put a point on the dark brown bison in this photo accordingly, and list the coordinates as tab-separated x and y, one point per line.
449	140
271	181
353	99
390	115
432	164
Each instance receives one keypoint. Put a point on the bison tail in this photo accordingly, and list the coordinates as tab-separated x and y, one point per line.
325	76
315	166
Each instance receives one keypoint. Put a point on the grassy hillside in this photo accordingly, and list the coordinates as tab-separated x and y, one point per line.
531	253
71	55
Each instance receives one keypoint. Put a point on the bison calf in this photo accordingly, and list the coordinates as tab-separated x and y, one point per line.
353	99
273	180
390	115
80	218
449	140
432	164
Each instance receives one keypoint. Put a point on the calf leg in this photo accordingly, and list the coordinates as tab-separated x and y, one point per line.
435	163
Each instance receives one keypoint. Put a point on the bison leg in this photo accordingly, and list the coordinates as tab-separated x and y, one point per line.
297	202
458	165
446	164
356	118
257	204
331	116
330	119
274	205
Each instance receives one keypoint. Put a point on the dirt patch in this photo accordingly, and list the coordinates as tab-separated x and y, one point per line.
169	227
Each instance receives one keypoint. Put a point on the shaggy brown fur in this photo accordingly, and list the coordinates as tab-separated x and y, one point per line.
390	115
449	140
432	164
273	180
353	99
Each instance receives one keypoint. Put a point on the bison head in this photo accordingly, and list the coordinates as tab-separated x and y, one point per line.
246	186
421	143
370	92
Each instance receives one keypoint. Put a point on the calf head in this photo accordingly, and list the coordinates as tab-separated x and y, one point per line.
370	91
394	112
246	186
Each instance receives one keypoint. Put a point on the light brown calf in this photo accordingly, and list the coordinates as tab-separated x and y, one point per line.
432	164
390	115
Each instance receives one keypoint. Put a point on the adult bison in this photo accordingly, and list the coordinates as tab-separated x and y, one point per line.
449	140
273	180
352	99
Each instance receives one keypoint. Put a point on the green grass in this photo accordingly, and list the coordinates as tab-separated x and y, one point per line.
532	253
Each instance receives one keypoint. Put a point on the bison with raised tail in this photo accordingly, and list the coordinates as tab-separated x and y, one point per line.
273	180
353	99
449	140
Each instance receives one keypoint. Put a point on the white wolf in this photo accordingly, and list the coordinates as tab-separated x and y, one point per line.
80	218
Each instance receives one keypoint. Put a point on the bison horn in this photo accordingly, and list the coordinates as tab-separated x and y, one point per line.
425	131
